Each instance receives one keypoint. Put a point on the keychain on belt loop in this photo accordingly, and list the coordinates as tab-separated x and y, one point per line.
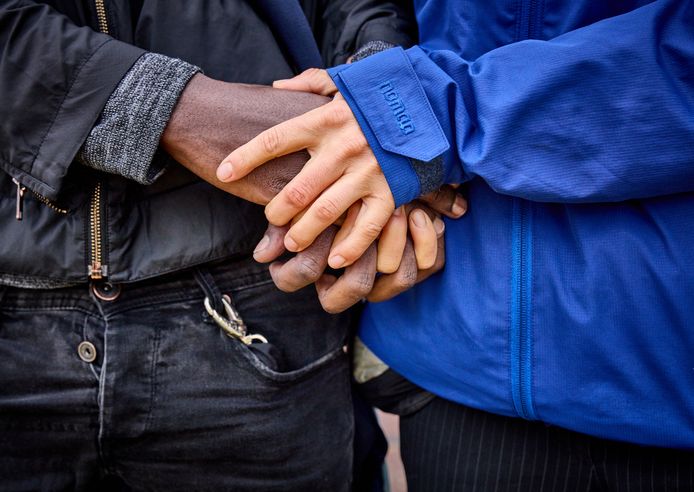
232	325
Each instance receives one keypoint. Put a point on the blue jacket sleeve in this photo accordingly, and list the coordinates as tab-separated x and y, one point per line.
602	113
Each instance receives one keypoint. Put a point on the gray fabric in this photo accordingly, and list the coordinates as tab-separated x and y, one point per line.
430	174
370	48
365	364
125	139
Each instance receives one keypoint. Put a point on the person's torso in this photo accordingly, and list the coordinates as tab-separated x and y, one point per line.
180	221
577	315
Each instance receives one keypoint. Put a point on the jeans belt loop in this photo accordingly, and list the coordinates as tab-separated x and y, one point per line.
209	287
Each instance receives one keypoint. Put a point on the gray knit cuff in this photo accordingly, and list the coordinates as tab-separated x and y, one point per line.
430	174
126	137
370	48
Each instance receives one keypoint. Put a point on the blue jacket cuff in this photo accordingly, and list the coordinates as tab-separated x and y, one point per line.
389	103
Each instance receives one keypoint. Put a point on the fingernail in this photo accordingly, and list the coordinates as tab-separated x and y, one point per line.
279	82
419	218
262	244
290	244
459	206
275	267
398	212
336	261
225	171
439	226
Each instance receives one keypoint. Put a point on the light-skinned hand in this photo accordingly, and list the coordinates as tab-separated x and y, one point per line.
342	171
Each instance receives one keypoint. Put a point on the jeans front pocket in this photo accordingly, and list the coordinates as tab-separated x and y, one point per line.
303	336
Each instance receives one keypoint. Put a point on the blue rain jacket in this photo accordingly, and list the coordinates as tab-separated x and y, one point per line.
568	292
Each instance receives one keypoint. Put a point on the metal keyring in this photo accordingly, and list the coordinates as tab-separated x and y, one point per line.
233	327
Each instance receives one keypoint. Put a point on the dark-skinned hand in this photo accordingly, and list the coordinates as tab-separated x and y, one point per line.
421	255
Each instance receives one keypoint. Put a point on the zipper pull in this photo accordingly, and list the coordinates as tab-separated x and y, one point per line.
19	212
96	270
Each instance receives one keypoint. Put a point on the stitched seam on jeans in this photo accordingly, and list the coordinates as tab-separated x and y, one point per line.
174	297
158	300
47	309
84	337
267	374
43	426
259	283
152	378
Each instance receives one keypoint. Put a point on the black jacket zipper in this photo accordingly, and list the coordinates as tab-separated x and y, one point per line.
97	269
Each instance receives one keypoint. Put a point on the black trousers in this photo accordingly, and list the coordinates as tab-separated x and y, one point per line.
135	387
450	447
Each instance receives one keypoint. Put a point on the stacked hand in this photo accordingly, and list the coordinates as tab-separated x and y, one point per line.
341	182
409	250
214	117
342	171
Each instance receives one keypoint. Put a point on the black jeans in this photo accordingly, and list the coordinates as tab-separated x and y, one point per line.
170	402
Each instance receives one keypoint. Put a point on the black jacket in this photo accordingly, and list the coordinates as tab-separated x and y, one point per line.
56	73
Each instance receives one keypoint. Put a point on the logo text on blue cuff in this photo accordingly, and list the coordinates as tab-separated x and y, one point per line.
392	98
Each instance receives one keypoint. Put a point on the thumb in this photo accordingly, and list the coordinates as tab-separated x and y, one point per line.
271	246
312	80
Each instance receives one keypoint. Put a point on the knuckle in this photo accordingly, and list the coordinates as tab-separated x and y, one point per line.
312	72
322	243
276	184
308	270
406	278
371	230
327	209
336	114
361	284
315	75
297	195
270	140
353	145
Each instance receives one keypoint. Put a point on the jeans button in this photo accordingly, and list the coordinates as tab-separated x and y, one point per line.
87	351
106	291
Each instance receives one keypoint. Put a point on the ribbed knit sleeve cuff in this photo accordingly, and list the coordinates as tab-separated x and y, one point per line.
126	137
370	48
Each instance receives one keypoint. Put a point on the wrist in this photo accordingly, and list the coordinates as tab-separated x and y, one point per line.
184	123
221	116
212	118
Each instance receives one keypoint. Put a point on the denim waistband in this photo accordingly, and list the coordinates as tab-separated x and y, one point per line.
191	284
